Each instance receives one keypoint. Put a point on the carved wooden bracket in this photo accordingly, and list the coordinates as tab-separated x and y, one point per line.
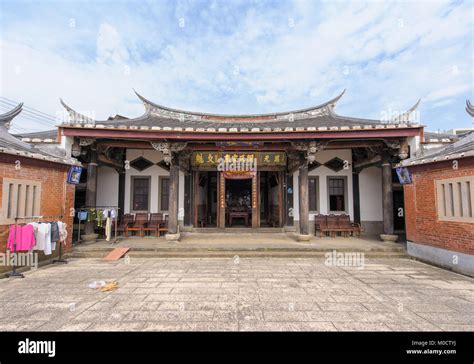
84	142
399	146
168	149
310	147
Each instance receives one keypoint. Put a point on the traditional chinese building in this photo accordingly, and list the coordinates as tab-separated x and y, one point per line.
309	161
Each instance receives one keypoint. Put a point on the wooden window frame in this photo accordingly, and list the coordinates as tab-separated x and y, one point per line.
346	195
160	196
132	184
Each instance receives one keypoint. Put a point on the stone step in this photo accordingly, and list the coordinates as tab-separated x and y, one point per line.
230	253
233	230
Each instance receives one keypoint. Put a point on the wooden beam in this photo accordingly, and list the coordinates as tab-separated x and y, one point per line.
284	146
367	162
190	136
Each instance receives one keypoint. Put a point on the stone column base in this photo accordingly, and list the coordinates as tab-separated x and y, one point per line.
388	238
301	237
172	237
89	238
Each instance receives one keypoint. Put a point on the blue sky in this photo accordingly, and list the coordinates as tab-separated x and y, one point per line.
240	56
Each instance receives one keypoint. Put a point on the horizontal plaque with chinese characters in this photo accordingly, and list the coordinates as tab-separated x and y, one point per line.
206	159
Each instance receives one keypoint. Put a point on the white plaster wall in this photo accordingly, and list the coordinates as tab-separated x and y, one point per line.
323	172
370	191
415	146
107	186
66	143
154	172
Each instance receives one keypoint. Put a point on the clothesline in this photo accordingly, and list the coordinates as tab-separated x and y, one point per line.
36	236
96	213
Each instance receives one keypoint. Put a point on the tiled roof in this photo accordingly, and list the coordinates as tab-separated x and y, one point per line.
318	118
47	136
462	148
9	144
433	137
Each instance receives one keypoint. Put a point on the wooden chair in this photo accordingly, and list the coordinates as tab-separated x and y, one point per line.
348	227
333	225
163	226
126	221
320	224
154	224
141	219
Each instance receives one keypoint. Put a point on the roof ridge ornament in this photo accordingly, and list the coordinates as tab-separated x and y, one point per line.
75	116
406	116
6	118
469	108
321	109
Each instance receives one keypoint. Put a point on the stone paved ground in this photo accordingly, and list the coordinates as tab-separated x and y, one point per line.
245	294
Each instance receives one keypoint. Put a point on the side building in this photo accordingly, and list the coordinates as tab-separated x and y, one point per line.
439	205
32	183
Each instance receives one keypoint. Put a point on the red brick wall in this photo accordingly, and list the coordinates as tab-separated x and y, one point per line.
422	224
57	196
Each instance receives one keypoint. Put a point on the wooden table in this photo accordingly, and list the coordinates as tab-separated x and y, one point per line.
239	215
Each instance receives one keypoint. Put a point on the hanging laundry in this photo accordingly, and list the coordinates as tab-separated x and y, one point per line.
100	218
108	229
43	237
24	235
113	213
92	215
62	231
54	232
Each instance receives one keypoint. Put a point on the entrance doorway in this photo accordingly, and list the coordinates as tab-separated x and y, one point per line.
238	202
205	194
398	211
271	199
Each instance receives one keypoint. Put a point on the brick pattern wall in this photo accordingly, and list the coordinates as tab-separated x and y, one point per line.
57	196
422	224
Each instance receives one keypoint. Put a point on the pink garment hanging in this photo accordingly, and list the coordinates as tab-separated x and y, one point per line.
25	238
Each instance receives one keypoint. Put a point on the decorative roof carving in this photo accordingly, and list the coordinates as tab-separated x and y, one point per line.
182	115
469	108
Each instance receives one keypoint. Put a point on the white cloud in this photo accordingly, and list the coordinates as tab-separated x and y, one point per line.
246	59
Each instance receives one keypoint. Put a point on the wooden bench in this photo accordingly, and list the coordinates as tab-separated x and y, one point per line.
335	224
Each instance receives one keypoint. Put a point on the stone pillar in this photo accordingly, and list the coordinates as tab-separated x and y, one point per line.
91	189
387	193
303	202
173	233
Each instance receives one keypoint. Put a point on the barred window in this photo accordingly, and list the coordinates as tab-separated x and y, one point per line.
20	198
455	199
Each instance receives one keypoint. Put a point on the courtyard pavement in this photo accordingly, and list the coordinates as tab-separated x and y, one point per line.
238	294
